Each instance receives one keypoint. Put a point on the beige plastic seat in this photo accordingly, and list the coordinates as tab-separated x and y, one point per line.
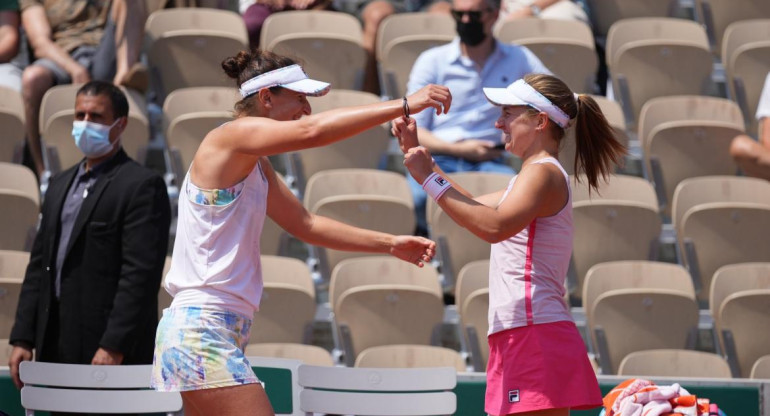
717	15
473	276
10	289
616	188
674	363
288	303
340	182
475	324
57	112
19	178
13	264
399	55
18	219
386	314
566	47
362	151
635	274
185	47
5	350
613	112
190	113
701	190
629	320
410	356
606	12
413	24
685	137
328	44
746	58
12	120
734	278
655	57
744	317
761	368
308	354
373	270
716	234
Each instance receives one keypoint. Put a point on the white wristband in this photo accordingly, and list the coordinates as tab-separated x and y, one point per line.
436	186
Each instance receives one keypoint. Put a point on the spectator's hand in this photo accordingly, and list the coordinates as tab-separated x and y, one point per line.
18	354
477	150
415	250
106	357
405	130
431	95
419	163
79	74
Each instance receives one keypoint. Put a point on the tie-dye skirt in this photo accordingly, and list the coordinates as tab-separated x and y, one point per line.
198	348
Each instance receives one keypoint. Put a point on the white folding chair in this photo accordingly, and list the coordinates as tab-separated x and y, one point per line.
85	388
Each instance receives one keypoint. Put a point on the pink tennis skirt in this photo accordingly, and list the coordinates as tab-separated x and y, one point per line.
539	367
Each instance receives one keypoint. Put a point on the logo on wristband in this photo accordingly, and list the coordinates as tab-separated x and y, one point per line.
440	181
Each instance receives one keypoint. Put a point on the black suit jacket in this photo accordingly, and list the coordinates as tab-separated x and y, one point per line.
112	270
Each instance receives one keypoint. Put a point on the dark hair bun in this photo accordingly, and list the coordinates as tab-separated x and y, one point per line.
234	65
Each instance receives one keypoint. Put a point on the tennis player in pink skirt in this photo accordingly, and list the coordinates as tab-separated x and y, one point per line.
537	360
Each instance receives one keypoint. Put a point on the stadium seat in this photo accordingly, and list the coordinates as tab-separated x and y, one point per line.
717	15
475	323
719	233
674	363
327	43
654	57
687	136
18	219
367	391
308	354
761	368
13	264
743	317
629	320
288	303
386	314
566	47
746	59
410	24
83	388
604	13
410	356
57	112
10	289
5	350
12	120
185	47
19	178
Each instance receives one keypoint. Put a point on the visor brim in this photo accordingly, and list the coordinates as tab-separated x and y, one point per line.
309	87
501	96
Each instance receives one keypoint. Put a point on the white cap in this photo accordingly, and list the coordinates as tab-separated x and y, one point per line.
521	93
290	77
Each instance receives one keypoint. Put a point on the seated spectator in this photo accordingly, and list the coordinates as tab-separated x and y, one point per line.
545	9
754	156
465	139
74	42
10	74
255	12
372	13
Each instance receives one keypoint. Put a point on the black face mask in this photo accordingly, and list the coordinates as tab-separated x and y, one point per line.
471	33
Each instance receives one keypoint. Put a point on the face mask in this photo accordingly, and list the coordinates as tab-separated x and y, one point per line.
93	139
471	33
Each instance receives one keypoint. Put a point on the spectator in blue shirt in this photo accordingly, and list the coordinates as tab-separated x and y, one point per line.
464	139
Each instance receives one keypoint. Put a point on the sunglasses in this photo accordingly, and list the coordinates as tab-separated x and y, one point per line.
473	15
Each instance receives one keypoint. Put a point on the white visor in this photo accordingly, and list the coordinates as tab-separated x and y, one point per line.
291	77
521	93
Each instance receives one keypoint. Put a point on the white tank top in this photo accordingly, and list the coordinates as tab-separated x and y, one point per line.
527	271
216	253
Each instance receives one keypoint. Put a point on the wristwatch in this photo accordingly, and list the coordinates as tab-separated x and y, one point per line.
535	10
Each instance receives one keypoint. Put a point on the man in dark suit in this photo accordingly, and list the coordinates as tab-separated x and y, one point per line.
90	291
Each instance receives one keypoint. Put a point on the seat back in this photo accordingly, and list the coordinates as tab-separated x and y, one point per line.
93	389
761	368
410	356
373	270
747	72
473	276
368	391
13	264
605	13
308	354
743	314
641	319
674	363
566	47
400	54
375	315
717	15
705	189
10	289
18	220
57	112
12	120
716	234
342	182
734	278
19	178
616	188
412	24
475	315
307	21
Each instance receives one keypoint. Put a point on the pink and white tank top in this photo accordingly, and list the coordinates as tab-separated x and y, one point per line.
216	252
527	271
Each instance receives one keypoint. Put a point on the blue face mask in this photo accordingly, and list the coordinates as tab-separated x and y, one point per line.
93	139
